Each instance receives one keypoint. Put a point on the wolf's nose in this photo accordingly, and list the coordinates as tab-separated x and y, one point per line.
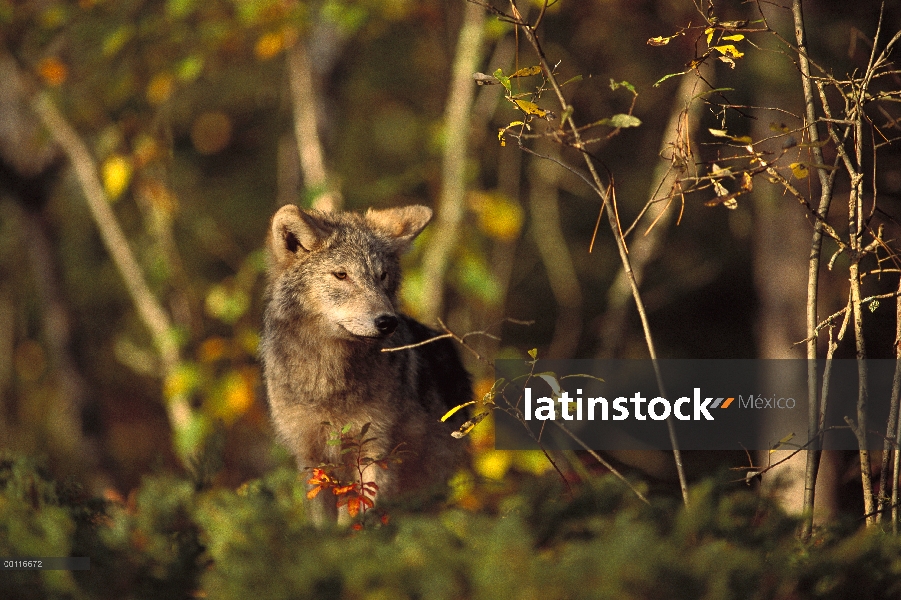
386	324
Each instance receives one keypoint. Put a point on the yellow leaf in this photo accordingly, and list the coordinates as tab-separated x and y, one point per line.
269	45
527	71
530	108
493	464
729	50
451	412
734	38
709	33
782	442
116	175
498	216
799	170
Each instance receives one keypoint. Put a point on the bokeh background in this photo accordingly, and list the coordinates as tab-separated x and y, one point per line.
196	121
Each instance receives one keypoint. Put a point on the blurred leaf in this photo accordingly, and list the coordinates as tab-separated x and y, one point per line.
184	380
190	68
116	40
116	174
498	216
227	305
53	71
493	464
474	276
160	88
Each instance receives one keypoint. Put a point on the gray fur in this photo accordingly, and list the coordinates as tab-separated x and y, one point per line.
333	279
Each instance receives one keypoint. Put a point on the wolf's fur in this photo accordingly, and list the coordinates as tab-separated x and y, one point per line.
333	280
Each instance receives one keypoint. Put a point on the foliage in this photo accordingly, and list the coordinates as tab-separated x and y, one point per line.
170	540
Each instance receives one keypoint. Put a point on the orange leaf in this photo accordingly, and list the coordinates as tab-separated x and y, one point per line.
53	71
343	489
353	507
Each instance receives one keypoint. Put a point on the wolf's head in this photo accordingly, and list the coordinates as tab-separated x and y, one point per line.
340	270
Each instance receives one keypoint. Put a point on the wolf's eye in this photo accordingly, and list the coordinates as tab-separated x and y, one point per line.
384	275
340	275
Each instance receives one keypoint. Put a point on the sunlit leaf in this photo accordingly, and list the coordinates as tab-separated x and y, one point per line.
533	353
269	45
734	38
729	50
782	442
709	33
116	174
505	81
454	410
499	217
530	108
799	170
527	71
493	464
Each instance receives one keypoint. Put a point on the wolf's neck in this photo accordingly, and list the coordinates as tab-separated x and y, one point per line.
315	367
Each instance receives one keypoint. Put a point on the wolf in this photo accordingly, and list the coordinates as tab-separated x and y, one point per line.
331	309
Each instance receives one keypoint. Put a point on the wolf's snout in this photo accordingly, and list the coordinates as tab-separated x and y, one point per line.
386	324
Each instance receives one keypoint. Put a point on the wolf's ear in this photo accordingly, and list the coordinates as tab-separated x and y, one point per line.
400	224
294	231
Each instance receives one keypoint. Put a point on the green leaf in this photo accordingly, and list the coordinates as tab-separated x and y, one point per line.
620	121
665	77
625	84
505	81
